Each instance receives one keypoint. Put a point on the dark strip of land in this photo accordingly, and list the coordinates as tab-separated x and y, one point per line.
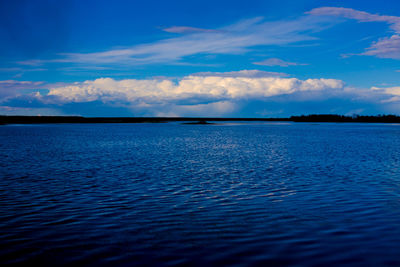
202	120
341	118
78	119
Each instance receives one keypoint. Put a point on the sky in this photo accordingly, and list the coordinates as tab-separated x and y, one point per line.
199	58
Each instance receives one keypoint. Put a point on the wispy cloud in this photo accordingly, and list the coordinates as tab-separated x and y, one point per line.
361	16
33	62
17	69
241	74
186	29
387	47
277	62
10	69
237	38
18	85
12	87
19	72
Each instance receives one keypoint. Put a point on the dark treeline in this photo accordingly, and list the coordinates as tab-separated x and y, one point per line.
78	119
200	120
341	118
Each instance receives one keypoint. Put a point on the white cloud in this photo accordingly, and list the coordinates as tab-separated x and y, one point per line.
277	62
394	92
190	90
388	47
205	94
201	94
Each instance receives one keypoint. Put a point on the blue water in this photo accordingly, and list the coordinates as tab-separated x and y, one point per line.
225	194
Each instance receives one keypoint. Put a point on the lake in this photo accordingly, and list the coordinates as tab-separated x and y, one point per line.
222	194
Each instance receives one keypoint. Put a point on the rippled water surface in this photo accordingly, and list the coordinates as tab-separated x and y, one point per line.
223	194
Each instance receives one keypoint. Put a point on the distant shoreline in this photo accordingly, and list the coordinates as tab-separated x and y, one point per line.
200	120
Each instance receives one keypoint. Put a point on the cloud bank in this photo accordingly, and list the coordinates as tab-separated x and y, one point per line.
246	92
189	90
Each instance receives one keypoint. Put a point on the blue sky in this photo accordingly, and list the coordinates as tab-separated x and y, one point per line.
191	58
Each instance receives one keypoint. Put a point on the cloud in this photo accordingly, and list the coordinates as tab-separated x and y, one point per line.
28	111
388	47
10	69
12	87
237	38
33	62
186	29
189	90
241	74
21	69
200	94
394	92
238	93
361	16
277	62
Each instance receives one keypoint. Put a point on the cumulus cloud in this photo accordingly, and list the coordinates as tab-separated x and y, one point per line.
203	94
394	92
388	47
200	94
277	62
189	90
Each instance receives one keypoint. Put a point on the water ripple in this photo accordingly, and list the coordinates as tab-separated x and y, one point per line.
171	194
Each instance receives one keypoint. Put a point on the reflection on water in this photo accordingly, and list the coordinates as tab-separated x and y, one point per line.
221	194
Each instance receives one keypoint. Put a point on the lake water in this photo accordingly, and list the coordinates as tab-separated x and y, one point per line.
224	194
